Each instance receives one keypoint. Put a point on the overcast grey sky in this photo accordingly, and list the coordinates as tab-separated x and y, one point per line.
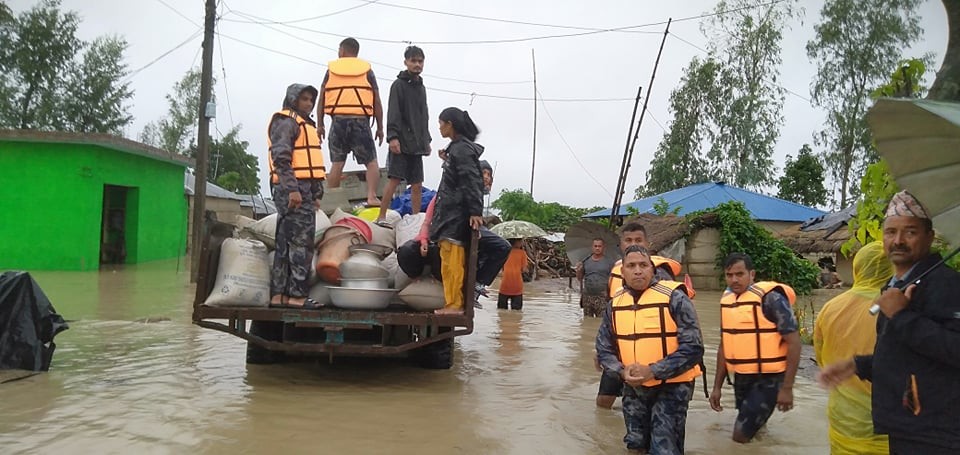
595	66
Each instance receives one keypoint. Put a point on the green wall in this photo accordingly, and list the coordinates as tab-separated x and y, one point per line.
51	197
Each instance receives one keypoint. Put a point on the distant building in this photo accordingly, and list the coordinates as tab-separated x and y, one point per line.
773	213
74	201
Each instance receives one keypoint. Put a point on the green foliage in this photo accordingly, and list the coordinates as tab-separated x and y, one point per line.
904	81
230	164
806	316
727	108
856	44
740	233
551	216
52	80
877	187
175	132
662	207
802	180
678	160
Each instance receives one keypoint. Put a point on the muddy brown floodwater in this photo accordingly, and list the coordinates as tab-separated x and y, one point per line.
523	383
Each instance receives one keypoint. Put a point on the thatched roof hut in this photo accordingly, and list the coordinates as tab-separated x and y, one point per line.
811	242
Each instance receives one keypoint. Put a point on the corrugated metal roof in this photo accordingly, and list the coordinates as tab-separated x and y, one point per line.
704	196
212	190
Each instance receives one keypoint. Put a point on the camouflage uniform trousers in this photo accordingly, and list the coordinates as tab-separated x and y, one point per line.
656	417
593	305
351	133
756	398
295	242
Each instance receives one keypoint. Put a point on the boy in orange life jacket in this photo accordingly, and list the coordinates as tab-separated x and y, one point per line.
762	380
511	286
651	338
351	96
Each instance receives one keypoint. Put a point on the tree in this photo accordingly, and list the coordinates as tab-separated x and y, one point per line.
230	166
678	161
856	44
551	216
45	86
175	132
877	187
98	97
946	86
727	109
746	42
802	180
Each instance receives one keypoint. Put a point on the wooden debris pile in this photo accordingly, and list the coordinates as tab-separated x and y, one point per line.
548	259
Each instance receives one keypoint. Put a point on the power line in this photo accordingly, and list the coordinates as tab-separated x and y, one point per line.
489	19
442	90
307	19
223	69
161	56
180	14
656	121
323	46
569	148
588	31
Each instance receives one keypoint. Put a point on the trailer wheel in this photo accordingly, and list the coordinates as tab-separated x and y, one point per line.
436	356
268	330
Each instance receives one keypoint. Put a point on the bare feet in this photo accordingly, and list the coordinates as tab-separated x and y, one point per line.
276	300
374	202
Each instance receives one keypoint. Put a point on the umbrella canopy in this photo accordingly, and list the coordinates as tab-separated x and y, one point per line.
579	241
518	230
920	140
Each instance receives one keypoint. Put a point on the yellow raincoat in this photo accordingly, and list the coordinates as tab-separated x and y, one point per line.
845	328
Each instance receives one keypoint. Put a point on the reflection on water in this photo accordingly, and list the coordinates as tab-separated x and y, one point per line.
523	383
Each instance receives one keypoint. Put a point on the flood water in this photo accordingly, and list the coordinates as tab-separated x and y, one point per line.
522	383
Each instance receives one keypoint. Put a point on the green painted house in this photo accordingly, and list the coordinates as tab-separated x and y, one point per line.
71	201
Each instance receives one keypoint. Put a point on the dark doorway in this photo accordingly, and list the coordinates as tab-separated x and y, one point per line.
113	227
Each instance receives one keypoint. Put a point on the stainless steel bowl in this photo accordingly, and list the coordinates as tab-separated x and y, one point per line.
365	283
361	299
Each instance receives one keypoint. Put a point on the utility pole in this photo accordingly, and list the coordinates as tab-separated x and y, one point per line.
203	141
533	164
618	198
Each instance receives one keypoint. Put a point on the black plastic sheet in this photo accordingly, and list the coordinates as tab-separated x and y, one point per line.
28	324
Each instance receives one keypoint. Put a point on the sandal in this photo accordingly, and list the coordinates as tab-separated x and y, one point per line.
308	304
383	224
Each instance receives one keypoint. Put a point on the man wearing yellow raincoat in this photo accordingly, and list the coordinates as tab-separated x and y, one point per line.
845	328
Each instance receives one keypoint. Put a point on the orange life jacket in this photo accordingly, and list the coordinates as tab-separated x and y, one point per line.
646	332
347	91
616	274
751	343
307	160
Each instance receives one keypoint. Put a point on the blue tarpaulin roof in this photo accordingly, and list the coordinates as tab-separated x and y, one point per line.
704	196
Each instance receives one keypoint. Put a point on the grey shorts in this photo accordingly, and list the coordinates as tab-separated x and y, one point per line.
351	134
405	167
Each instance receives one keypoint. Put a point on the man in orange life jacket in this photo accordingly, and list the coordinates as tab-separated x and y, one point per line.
755	317
296	176
632	233
351	97
651	338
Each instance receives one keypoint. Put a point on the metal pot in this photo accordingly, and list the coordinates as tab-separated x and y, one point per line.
361	299
363	263
365	283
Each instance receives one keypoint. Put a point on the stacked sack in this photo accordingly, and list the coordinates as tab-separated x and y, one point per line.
243	278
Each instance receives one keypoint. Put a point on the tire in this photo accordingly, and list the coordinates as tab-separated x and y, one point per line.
436	356
257	355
